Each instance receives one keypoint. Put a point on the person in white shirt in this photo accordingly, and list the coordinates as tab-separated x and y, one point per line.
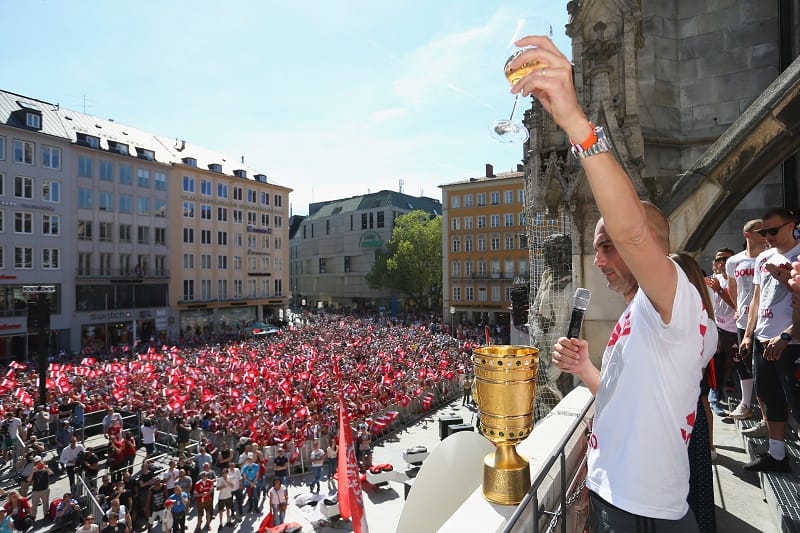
652	365
171	475
773	335
724	313
69	457
225	502
148	431
278	501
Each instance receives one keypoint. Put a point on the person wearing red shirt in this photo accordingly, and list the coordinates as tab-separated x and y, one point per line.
204	497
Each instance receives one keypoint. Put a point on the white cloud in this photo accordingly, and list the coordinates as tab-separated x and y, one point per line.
385	115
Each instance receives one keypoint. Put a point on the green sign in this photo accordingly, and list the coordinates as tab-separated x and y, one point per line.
370	239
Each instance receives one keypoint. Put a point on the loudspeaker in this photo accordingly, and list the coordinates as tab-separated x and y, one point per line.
445	421
455	428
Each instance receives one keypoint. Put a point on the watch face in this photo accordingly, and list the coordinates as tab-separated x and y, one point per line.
785	336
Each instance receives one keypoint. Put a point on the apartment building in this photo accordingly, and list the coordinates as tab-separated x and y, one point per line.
485	247
230	244
334	247
99	211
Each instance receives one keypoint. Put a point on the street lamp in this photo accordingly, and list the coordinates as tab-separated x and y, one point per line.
452	320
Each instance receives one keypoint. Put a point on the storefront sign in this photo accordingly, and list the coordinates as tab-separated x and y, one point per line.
16	327
259	274
110	315
370	239
6	276
253	229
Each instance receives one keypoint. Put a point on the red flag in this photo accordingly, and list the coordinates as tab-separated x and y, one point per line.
351	504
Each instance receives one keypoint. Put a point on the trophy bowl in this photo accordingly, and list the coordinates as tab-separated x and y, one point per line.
504	389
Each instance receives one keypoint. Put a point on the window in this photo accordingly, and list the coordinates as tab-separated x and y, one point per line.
51	225
23	257
508	219
160	208
88	140
205	187
251	288
363	221
160	236
237	262
51	157
521	196
126	175
222	190
84	167
222	238
23	152
495	243
125	204
495	268
2	148
188	184
278	203
105	201
205	261
188	209
188	290
85	230
455	201
481	244
455	223
467	222
481	199
468	243
237	216
51	191
124	233
188	235
482	268
142	234
205	289
469	293
23	222
456	245
106	171
2	182
125	264
85	198
509	268
222	214
508	197
205	236
23	187
50	259
143	206
106	232
482	294
494	198
251	196
105	264
481	222
222	289
143	178
264	198
523	267
237	193
84	264
509	242
522	219
494	221
160	181
323	265
188	261
222	262
205	212
456	293
455	269
251	218
161	265
380	219
278	287
2	221
467	200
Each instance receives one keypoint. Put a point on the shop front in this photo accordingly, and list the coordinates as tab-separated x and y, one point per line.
104	329
231	320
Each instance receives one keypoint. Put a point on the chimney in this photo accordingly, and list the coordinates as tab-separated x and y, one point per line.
489	170
520	167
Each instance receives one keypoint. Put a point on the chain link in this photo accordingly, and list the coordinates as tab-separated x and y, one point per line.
571	499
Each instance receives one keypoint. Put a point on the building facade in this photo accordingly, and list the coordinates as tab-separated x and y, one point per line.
98	213
334	247
484	247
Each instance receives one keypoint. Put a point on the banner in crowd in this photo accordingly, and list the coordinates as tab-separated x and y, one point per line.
351	503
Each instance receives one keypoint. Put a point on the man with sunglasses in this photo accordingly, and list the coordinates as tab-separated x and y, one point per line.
773	334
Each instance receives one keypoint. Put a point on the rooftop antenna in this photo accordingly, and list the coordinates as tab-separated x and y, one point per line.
401	183
243	160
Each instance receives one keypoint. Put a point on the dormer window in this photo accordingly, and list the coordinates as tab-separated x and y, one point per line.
88	140
260	178
144	153
118	148
189	161
240	173
34	121
215	167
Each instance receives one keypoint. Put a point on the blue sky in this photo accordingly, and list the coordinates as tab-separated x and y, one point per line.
332	99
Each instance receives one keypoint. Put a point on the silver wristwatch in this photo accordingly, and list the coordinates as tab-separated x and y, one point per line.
600	146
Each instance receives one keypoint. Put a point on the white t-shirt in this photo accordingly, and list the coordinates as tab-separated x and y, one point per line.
775	300
646	406
741	267
723	313
148	434
235	477
224	488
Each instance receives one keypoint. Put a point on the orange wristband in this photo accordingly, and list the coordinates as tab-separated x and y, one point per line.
588	142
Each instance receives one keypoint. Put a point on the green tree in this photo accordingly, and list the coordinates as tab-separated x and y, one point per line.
412	261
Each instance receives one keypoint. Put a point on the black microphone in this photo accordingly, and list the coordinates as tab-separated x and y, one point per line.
579	306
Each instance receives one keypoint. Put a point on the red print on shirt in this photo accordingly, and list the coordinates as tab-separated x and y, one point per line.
686	432
622	329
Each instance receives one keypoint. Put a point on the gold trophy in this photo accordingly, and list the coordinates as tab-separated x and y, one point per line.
504	388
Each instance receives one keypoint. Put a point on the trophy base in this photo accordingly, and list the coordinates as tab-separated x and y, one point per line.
506	485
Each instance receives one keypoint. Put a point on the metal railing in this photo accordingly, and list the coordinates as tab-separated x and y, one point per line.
530	503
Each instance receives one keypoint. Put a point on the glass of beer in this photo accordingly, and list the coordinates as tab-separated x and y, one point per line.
510	130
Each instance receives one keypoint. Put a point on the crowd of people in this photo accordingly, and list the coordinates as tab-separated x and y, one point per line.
281	391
